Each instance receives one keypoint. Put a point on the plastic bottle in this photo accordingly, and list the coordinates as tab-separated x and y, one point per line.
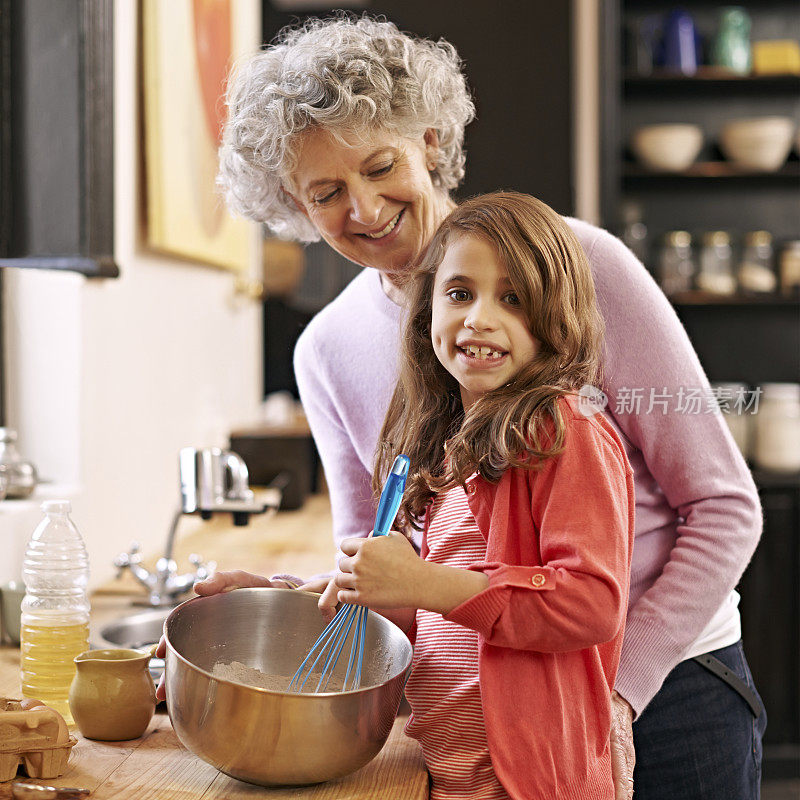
55	610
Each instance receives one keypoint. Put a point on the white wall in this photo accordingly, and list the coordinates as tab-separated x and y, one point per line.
108	379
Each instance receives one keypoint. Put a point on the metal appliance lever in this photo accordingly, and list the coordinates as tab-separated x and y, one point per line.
212	481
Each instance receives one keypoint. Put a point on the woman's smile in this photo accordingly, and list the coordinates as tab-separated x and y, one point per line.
391	227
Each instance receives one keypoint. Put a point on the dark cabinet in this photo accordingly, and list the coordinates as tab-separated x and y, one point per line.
742	339
771	623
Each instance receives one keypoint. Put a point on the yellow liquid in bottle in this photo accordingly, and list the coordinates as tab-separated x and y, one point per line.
46	667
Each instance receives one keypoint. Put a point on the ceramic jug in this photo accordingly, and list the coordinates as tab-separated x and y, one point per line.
112	697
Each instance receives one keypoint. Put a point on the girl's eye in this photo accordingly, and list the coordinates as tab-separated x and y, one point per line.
324	199
458	295
512	299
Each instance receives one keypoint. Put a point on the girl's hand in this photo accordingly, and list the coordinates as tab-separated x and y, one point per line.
380	572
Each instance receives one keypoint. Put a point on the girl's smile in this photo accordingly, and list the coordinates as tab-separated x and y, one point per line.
479	330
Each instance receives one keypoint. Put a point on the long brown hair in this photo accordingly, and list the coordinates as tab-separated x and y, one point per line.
517	424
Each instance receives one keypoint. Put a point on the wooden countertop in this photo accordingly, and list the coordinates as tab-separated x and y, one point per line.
157	765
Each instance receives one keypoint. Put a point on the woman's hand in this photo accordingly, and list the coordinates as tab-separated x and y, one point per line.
623	756
227	582
234	579
328	601
379	572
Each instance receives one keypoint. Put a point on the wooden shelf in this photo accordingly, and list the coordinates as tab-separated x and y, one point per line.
698	298
710	79
711	171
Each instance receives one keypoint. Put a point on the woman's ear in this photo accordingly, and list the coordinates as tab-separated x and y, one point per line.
431	138
298	205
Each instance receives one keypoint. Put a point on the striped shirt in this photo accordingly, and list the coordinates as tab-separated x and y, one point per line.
443	688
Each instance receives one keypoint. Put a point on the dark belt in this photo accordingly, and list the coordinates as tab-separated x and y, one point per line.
716	666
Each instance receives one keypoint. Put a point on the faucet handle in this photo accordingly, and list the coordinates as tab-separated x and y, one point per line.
128	559
166	566
203	569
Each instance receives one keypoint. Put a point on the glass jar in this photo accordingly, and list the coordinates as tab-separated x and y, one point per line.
777	428
733	400
790	269
634	231
756	270
675	263
716	264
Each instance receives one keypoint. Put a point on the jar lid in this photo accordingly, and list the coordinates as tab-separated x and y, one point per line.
716	237
756	238
781	391
680	238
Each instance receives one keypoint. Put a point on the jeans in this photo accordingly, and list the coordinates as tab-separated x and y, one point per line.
698	739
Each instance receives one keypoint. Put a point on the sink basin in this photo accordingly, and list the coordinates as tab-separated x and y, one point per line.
136	631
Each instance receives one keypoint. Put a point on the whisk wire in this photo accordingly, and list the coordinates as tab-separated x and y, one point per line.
318	648
339	642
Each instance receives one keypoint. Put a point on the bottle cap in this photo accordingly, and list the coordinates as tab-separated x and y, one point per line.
56	506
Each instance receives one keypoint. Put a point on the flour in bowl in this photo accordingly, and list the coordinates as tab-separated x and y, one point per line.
238	672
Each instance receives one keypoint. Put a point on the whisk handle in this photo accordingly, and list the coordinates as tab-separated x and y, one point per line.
391	496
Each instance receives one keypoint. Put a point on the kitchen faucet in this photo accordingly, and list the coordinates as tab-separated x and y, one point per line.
212	481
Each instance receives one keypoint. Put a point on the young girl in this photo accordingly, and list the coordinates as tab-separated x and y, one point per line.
525	497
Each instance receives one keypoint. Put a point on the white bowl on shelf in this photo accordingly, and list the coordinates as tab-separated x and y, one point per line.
667	148
758	143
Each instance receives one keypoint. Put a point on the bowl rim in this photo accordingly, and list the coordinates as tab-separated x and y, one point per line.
666	127
760	120
260	689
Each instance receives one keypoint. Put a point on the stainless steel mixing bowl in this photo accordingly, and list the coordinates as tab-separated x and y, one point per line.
268	737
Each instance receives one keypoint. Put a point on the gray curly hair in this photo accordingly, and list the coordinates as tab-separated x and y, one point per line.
347	74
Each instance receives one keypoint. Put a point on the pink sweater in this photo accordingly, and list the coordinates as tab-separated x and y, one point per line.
698	517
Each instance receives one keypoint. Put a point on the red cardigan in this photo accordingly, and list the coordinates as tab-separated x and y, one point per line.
558	551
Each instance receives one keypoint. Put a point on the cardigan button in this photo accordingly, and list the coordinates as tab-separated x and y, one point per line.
538	580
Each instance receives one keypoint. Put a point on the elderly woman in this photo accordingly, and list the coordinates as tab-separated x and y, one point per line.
350	131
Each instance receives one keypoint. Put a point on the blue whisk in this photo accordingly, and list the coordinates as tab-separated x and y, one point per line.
330	644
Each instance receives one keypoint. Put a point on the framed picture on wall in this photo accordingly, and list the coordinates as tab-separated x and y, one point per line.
188	49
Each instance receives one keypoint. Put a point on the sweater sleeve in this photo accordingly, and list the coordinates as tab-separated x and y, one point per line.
348	481
692	458
581	507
